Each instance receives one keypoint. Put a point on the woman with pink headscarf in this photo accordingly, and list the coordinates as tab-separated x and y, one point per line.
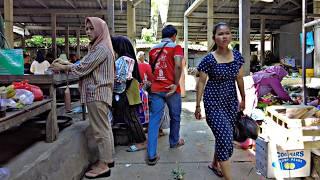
269	81
96	72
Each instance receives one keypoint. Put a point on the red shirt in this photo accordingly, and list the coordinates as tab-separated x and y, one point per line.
164	69
145	70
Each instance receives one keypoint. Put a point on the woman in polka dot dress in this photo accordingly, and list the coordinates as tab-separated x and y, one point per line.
222	67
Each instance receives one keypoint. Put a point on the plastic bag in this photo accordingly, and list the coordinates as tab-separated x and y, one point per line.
165	120
245	127
11	62
25	97
36	91
8	103
143	108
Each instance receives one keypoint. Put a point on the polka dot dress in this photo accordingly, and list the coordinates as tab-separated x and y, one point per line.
220	101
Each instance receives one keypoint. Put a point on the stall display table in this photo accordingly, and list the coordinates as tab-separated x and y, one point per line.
48	83
291	134
15	118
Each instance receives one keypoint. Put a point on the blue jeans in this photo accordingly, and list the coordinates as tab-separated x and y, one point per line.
157	107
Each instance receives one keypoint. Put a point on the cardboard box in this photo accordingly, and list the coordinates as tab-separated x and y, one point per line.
292	163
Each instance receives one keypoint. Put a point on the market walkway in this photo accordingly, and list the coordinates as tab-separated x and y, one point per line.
192	158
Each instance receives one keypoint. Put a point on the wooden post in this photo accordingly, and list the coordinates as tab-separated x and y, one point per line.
185	35
78	43
23	42
110	16
52	129
316	10
131	19
54	34
8	20
209	24
272	42
244	33
66	41
262	37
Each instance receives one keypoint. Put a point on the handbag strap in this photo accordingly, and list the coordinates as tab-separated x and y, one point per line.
153	65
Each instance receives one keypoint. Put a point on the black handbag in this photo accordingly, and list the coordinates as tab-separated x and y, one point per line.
245	127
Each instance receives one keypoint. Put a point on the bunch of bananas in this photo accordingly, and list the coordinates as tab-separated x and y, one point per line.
9	91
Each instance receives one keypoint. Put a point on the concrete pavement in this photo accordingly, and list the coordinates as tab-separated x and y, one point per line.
192	158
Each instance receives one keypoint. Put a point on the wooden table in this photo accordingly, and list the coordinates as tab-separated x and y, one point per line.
45	82
15	118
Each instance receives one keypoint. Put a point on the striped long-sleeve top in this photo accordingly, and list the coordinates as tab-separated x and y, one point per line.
96	72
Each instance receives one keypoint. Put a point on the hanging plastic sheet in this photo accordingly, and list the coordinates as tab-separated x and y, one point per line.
11	62
309	42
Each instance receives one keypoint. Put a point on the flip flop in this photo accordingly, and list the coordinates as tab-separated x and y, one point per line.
134	148
181	142
93	175
215	171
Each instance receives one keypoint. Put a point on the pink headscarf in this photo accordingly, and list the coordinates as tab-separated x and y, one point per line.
101	30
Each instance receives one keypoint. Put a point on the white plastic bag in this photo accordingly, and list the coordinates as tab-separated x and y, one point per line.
8	103
25	97
165	120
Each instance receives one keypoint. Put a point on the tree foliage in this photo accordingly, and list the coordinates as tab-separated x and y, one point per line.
148	36
40	41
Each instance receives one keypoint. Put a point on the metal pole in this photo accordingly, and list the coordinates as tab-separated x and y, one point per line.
303	47
312	23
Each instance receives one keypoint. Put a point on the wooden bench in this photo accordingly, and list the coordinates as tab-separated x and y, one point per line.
15	118
49	84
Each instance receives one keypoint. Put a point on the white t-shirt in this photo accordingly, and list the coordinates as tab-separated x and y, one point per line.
39	68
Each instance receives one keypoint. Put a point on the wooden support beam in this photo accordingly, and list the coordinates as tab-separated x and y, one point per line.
137	3
66	42
32	11
210	14
275	5
42	4
100	4
236	16
23	42
110	15
222	4
194	6
177	24
185	37
78	43
71	4
316	61
262	30
244	33
131	21
295	3
60	28
8	20
54	34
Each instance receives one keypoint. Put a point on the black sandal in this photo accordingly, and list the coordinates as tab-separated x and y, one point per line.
215	171
152	162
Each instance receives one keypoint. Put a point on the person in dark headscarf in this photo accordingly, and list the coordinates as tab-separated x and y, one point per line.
126	91
39	65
